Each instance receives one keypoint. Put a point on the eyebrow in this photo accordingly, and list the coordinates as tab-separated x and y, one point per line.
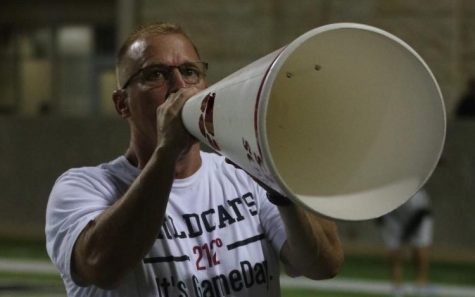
168	65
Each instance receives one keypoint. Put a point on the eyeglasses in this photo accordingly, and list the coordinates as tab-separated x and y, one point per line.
159	74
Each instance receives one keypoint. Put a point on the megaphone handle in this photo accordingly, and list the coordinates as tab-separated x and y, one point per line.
277	199
273	196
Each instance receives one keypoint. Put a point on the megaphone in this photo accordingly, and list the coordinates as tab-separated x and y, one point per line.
346	120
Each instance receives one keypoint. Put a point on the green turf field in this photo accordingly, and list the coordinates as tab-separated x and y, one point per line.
322	293
14	284
312	293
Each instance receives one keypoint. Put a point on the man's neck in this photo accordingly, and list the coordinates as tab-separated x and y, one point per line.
187	164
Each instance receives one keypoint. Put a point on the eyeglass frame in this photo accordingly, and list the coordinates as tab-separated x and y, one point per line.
169	71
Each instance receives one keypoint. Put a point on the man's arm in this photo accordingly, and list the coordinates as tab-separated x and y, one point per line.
118	239
312	248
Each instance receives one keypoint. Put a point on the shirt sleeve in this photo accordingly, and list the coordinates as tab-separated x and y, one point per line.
74	201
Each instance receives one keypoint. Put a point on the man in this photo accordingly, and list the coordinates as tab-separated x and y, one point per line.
166	219
410	224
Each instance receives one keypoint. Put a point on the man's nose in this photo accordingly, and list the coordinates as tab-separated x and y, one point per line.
175	80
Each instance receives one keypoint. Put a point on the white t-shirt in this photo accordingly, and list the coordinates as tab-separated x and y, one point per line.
221	236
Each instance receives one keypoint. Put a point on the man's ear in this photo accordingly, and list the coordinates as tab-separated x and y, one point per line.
121	103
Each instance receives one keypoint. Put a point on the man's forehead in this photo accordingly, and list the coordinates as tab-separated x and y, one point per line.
137	49
141	50
160	43
166	48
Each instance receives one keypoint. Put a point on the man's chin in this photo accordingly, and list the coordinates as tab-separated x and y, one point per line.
192	147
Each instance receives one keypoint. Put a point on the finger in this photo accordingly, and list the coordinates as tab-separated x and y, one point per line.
173	96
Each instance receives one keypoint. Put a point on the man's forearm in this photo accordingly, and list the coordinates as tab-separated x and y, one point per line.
117	240
313	248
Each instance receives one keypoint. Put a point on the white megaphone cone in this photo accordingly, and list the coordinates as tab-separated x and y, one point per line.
346	120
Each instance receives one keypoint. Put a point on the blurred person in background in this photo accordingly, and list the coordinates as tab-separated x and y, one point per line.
466	106
166	219
409	225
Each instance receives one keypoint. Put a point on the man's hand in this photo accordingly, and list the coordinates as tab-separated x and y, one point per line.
170	128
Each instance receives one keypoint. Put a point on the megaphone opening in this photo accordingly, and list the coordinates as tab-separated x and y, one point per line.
351	113
347	120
